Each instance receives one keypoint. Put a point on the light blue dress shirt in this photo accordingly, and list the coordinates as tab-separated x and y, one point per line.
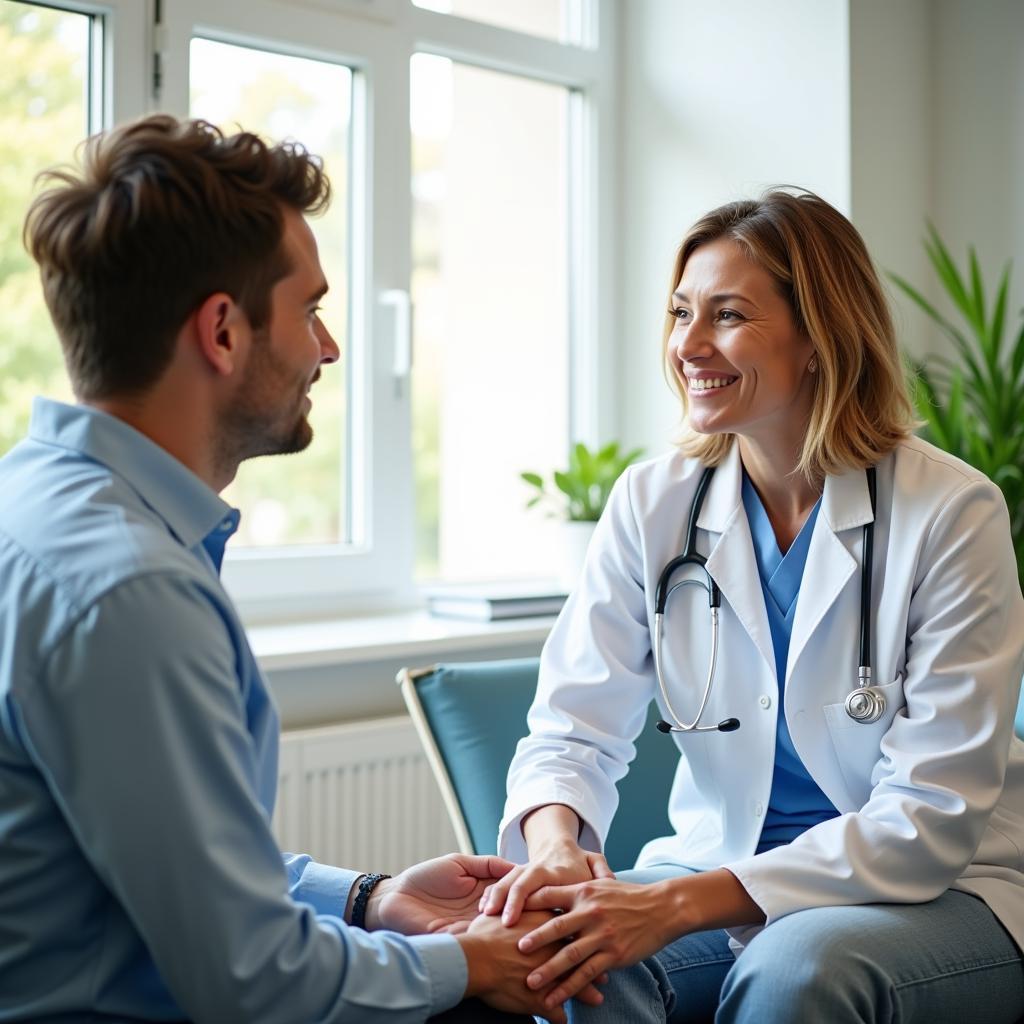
138	767
796	802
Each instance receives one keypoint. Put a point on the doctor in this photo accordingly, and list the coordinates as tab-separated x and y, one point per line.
863	852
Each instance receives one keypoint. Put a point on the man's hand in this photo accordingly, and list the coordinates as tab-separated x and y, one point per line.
560	861
498	968
439	895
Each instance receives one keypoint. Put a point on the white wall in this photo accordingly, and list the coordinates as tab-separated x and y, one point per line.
978	131
891	161
897	112
719	100
937	132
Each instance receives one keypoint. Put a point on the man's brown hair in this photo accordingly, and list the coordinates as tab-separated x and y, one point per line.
162	214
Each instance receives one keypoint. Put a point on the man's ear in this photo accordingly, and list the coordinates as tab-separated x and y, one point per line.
223	333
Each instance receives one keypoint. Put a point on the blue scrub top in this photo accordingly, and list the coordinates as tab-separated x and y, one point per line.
796	803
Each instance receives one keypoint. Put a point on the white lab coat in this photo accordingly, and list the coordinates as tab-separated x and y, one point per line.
930	797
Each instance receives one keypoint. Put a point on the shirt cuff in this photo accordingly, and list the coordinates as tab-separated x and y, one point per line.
324	887
446	967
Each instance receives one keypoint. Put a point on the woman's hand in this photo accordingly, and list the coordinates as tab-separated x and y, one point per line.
552	835
607	924
558	862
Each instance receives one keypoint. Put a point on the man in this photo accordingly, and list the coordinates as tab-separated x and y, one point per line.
139	879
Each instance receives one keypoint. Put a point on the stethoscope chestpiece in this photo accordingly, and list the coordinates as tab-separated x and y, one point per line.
865	704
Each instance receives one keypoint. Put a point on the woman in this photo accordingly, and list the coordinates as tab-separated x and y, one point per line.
883	854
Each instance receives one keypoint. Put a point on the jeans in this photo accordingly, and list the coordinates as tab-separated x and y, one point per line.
947	960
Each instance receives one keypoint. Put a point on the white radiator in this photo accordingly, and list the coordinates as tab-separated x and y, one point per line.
360	795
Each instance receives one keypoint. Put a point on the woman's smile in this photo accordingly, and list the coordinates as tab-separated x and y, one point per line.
706	387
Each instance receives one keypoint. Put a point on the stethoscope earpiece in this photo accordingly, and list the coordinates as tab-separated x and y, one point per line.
727	725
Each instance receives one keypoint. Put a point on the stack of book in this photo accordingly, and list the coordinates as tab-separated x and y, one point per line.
486	602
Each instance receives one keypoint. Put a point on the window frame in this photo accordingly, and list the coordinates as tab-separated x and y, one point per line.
376	39
123	54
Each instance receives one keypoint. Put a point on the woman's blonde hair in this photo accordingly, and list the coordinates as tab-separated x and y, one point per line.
819	263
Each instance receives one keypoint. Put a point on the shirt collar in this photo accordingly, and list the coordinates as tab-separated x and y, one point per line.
191	509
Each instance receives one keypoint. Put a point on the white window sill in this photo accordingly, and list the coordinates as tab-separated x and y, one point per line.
408	636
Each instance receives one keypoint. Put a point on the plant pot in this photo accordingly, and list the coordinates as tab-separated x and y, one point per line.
572	551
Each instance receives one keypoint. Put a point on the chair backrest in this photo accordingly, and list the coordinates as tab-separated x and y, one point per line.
470	717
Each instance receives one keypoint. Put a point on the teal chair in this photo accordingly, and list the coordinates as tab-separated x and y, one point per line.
471	716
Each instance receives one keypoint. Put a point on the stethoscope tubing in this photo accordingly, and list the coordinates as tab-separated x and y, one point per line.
864	704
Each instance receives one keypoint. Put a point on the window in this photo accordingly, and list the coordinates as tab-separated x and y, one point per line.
464	145
550	19
47	99
299	499
491	334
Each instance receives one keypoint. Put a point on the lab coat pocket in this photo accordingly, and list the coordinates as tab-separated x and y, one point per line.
858	745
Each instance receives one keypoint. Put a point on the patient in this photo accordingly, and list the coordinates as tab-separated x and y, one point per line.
139	879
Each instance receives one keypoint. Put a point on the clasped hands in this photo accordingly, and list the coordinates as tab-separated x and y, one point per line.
528	960
599	923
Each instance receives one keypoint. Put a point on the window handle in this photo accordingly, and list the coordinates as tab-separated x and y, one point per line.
400	303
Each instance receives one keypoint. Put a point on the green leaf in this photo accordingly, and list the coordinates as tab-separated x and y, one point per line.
948	274
568	484
973	405
1007	475
1017	357
977	292
588	480
583	462
958	338
995	329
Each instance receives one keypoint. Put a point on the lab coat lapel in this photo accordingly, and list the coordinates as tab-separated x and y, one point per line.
845	505
731	562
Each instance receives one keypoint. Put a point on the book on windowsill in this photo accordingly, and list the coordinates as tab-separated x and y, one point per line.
486	602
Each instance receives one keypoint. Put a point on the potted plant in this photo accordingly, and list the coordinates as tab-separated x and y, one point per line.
973	407
578	497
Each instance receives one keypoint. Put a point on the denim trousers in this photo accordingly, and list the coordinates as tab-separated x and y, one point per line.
947	960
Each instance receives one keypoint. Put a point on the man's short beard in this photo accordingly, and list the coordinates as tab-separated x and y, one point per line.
247	434
248	427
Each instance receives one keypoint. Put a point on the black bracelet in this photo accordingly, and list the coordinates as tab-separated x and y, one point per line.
366	886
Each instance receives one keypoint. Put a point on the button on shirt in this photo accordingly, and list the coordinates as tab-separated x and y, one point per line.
796	802
138	767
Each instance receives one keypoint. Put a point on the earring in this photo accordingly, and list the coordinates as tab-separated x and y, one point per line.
812	366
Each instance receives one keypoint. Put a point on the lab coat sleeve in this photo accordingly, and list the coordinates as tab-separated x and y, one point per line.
943	759
596	681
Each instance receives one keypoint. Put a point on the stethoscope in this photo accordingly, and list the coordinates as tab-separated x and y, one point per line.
865	703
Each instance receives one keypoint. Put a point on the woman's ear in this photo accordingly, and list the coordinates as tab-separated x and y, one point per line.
223	333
